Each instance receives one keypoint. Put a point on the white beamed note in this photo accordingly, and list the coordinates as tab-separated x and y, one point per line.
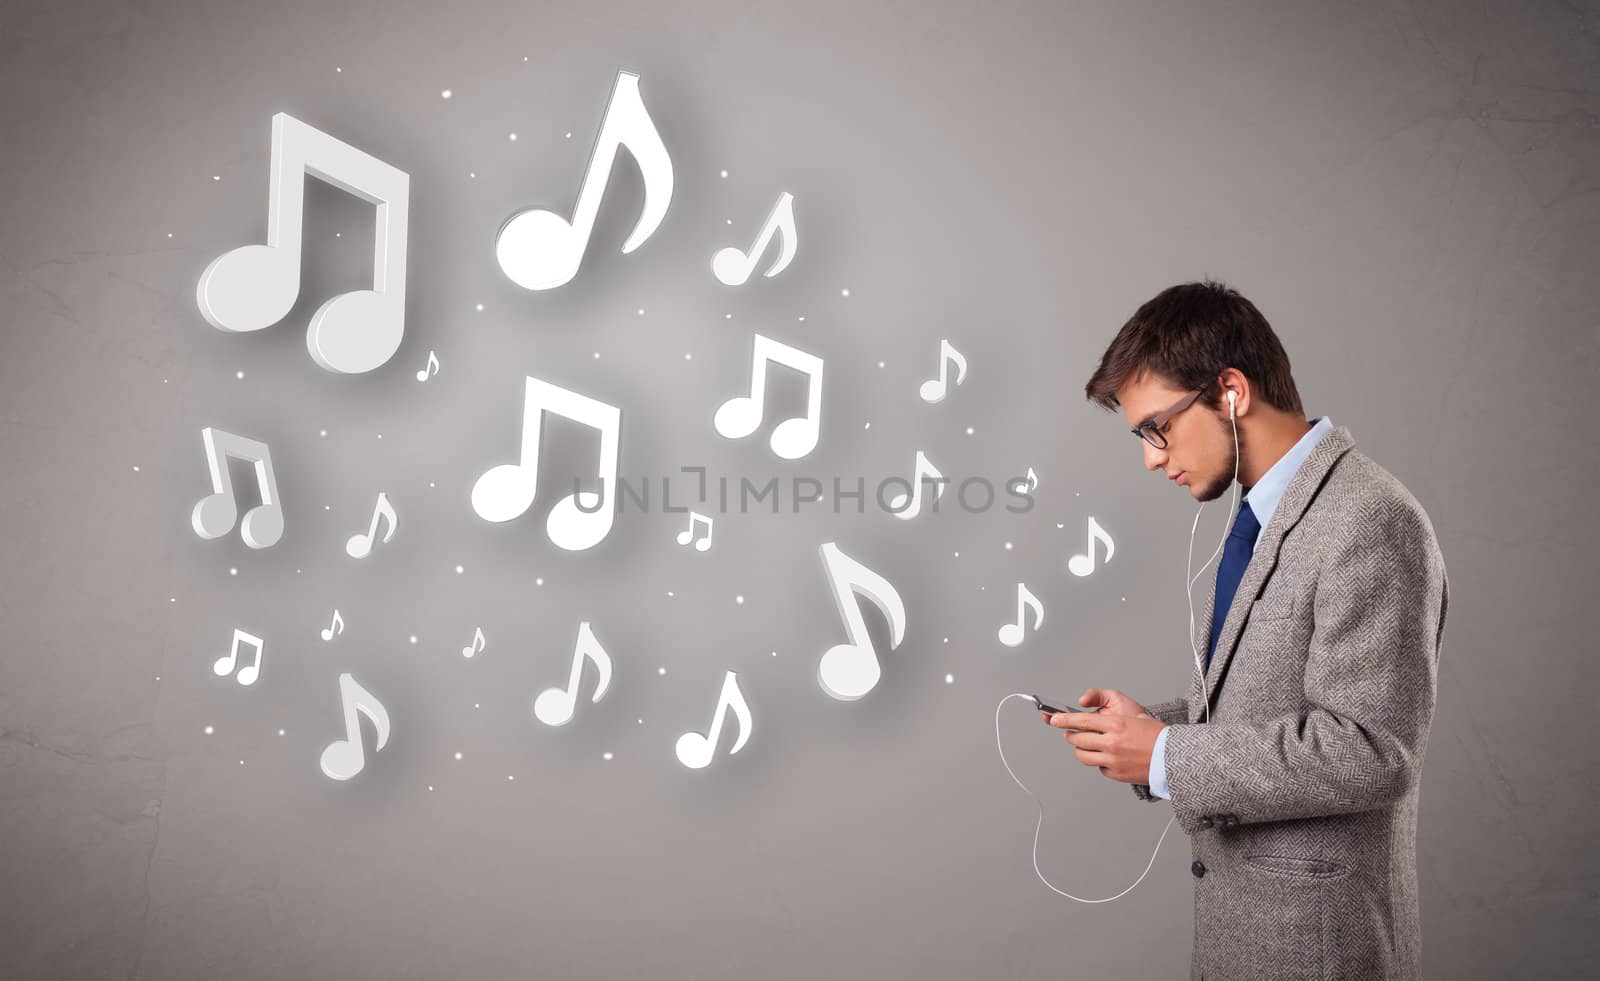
921	471
215	515
344	758
556	706
733	268
255	286
507	491
539	249
740	416
1011	634
848	671
696	750
935	389
225	664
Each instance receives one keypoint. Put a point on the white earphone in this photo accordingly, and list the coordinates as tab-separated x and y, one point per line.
1233	398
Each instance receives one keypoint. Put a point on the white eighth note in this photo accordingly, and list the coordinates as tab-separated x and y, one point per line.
848	671
540	250
1082	565
555	706
695	750
250	672
733	268
477	645
334	627
922	470
934	389
255	286
430	369
344	758
1011	634
581	519
741	415
360	544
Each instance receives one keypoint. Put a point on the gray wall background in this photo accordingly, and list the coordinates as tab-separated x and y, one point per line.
1408	190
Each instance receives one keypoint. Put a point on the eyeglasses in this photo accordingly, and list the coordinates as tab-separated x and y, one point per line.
1153	431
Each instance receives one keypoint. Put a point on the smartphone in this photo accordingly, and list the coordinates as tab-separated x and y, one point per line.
1045	706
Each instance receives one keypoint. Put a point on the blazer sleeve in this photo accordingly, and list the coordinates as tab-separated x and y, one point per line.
1371	679
1171	712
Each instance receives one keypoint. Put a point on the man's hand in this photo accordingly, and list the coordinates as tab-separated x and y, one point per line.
1118	739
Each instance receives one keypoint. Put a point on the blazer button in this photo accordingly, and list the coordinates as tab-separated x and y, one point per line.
1206	822
1233	820
1198	868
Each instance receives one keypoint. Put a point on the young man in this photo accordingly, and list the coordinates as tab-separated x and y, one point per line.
1294	764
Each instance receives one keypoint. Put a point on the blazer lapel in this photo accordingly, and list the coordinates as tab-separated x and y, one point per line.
1302	489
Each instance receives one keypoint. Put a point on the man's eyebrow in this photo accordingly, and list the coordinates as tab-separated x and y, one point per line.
1146	420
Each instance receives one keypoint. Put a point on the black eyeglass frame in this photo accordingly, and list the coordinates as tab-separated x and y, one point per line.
1153	431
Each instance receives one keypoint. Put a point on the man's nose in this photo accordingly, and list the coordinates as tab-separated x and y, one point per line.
1154	459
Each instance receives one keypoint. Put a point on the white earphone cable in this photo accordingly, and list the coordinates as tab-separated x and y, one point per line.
1189	591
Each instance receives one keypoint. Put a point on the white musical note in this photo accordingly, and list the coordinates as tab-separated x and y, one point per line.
922	470
695	750
540	250
360	544
430	369
1082	565
250	672
849	671
934	389
214	516
507	491
1030	482
739	416
477	645
344	758
555	706
1011	634
336	626
255	286
704	541
733	267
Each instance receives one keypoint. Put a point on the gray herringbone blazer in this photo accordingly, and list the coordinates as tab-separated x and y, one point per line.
1299	791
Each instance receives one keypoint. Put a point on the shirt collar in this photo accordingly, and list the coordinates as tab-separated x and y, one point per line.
1264	496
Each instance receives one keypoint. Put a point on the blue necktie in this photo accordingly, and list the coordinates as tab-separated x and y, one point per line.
1235	556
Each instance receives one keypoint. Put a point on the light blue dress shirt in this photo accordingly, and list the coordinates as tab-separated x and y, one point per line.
1263	499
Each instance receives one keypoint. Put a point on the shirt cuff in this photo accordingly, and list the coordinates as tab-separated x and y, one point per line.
1158	766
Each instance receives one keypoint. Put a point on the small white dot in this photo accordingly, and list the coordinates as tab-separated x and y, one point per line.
445	94
380	435
727	316
327	507
136	466
338	69
280	732
774	653
949	679
158	677
597	355
1124	599
844	292
802	317
524	57
1008	546
323	433
238	374
969	430
513	137
472	174
738	599
880	364
477	705
209	730
430	788
458	756
172	599
480	307
730	221
661	670
641	311
432	484
947	640
338	235
1060	525
569	134
510	777
539	581
867	426
413	638
233	572
1076	494
669	592
641	722
686	356
958	555
724	173
460	569
241	762
606	755
216	177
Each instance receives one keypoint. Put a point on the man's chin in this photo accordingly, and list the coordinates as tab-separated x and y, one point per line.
1213	490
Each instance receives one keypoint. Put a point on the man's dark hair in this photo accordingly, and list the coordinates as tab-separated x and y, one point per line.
1188	334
